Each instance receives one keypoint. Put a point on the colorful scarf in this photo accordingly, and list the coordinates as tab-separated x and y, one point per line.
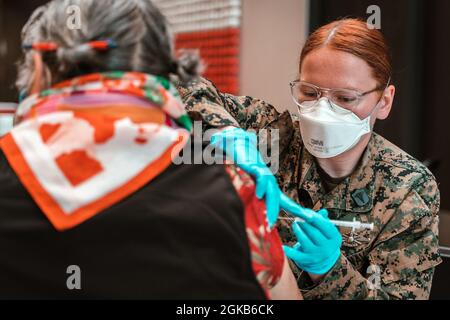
86	144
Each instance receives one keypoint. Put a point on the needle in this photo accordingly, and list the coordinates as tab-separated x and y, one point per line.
355	225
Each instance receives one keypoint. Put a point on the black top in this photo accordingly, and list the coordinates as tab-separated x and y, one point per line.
181	236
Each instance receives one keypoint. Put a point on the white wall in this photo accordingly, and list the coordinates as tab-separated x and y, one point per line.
273	33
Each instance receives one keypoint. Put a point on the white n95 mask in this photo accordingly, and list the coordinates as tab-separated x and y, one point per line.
329	130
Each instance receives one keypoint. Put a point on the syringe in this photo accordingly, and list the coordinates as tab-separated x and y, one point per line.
355	225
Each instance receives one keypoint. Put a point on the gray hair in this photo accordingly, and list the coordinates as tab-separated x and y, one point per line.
144	43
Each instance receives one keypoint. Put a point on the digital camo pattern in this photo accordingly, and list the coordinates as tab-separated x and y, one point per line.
393	190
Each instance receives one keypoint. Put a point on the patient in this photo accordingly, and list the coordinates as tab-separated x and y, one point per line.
91	205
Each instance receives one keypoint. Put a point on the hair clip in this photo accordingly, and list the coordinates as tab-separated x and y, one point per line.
100	45
41	46
103	45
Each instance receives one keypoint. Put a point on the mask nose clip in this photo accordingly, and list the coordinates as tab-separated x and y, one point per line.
310	106
324	99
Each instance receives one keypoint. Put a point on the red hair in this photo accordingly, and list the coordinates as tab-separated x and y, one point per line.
354	37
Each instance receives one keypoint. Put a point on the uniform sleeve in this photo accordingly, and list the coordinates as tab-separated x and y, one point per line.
204	102
267	255
216	110
402	261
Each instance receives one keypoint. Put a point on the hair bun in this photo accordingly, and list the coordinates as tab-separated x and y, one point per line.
80	55
188	66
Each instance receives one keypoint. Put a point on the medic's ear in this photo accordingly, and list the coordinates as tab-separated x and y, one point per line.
386	103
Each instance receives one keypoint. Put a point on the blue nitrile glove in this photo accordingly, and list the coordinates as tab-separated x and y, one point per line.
242	147
319	243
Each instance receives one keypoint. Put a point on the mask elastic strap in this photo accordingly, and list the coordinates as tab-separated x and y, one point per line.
374	108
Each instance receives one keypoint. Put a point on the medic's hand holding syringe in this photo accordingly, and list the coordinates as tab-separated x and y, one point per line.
319	241
318	246
354	225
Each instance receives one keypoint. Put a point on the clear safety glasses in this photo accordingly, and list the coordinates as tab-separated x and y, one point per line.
306	95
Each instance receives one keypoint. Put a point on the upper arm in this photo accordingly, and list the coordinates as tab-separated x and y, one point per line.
267	256
286	288
204	102
250	113
408	249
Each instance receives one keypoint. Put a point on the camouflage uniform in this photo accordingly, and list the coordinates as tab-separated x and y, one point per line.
393	190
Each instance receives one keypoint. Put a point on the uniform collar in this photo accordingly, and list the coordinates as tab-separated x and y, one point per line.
353	194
